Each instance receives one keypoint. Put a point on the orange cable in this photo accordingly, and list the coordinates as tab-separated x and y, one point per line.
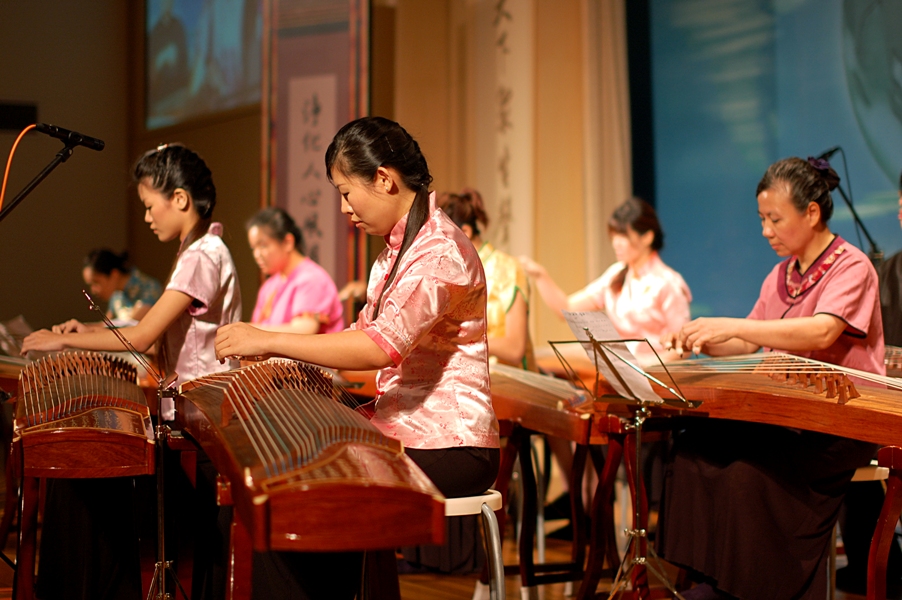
9	162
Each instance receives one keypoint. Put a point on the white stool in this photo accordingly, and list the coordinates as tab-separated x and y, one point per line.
486	504
872	472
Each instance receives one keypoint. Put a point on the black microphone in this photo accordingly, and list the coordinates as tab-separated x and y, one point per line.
826	154
71	137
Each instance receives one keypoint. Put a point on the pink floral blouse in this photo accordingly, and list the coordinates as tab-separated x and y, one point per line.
432	325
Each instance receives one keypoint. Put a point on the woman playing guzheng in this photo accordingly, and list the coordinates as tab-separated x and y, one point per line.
748	508
128	292
89	541
423	325
299	295
507	305
642	296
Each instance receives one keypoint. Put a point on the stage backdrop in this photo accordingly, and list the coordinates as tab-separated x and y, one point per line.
738	84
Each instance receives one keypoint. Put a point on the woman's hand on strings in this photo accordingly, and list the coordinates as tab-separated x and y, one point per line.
240	340
43	340
71	326
671	342
696	335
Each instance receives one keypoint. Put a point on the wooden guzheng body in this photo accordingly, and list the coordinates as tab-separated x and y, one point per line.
785	390
304	471
78	415
541	403
772	388
82	415
893	361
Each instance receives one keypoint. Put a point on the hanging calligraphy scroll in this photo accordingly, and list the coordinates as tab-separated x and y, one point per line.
315	81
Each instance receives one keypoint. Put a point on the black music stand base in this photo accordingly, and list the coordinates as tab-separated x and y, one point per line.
162	566
639	553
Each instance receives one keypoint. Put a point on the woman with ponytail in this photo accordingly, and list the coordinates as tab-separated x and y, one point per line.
202	292
89	540
424	323
749	509
643	297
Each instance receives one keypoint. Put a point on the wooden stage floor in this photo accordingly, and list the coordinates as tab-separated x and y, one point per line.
460	587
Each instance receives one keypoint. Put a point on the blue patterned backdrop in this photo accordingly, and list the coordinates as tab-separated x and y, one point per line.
738	84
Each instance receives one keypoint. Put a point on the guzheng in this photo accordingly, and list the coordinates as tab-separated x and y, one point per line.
82	415
893	361
782	389
775	388
541	403
304	471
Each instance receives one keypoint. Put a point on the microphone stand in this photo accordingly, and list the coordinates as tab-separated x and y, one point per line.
875	253
61	157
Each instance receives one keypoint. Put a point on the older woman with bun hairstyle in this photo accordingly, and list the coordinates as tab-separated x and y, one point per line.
748	508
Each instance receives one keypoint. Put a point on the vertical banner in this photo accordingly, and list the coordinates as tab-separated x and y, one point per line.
312	121
503	118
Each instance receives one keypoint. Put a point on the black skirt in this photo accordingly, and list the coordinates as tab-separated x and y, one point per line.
751	508
89	541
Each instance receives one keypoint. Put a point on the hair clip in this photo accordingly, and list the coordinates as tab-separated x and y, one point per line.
821	164
162	147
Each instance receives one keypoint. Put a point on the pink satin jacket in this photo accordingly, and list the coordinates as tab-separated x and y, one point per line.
432	324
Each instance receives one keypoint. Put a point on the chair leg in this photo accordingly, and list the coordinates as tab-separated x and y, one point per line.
493	552
540	467
884	535
831	567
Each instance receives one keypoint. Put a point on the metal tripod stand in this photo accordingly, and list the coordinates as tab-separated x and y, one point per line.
639	556
161	434
162	566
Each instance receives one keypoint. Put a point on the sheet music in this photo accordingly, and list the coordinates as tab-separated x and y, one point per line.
624	361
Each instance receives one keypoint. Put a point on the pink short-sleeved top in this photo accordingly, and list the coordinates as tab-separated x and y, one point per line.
841	282
205	271
308	290
654	300
432	325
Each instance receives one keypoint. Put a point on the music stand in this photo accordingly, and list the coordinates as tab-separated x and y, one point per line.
161	433
639	554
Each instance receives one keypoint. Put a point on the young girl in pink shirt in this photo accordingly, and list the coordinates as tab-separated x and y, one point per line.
423	325
89	541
